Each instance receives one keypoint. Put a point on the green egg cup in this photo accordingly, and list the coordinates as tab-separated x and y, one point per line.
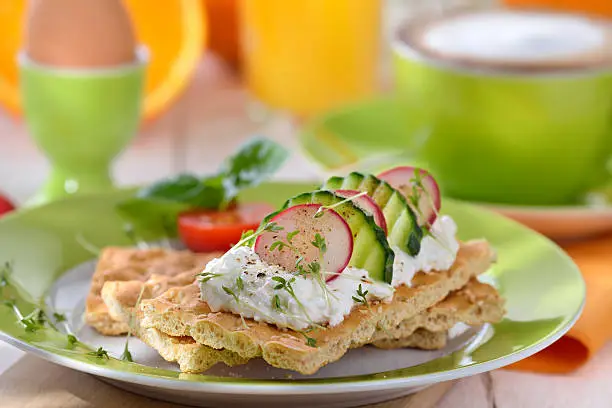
81	119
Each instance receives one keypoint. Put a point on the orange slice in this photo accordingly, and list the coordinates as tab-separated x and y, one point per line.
11	20
173	33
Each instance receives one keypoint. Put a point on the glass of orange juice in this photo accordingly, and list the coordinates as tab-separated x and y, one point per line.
306	56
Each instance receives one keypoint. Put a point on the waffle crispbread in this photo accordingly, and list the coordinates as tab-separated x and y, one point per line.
474	304
132	264
179	312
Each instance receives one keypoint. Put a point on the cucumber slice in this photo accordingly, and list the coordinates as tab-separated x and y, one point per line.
403	228
371	251
423	198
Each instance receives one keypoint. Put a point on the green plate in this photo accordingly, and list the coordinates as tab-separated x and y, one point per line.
52	267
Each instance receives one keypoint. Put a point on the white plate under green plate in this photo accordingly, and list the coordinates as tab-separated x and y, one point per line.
374	135
52	268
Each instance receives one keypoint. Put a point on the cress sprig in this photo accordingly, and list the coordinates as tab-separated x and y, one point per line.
126	355
38	319
312	269
362	299
323	208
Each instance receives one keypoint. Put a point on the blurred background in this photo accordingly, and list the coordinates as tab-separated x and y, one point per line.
314	75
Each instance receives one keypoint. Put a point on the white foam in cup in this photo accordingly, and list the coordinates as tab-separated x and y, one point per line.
513	39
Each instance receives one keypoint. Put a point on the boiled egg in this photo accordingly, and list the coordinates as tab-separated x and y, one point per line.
79	33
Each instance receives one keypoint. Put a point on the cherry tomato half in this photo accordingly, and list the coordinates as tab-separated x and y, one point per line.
208	230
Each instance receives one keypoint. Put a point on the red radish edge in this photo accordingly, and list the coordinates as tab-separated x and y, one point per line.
400	177
332	227
367	204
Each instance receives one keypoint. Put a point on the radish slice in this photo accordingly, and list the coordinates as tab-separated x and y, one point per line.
367	204
428	202
301	218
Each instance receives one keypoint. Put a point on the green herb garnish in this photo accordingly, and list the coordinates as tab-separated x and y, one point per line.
160	203
284	284
322	209
126	355
291	235
361	296
59	317
311	342
239	283
72	340
319	243
276	303
206	276
31	325
278	245
38	319
99	353
299	261
231	293
249	239
5	271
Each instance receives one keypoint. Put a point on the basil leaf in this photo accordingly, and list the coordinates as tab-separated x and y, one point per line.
254	162
157	206
187	189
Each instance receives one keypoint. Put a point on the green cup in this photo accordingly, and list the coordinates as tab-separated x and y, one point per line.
537	135
81	119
